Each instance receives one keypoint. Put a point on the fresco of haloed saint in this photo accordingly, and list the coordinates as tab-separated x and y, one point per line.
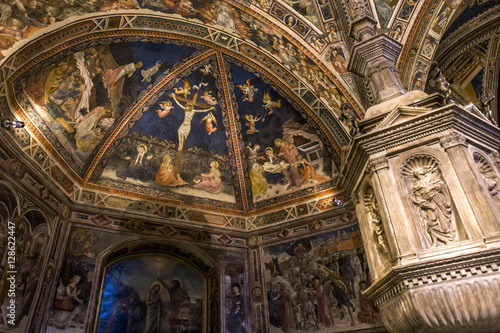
179	143
71	300
284	153
82	95
315	284
151	294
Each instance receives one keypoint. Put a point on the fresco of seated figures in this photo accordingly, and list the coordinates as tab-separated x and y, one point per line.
180	143
315	284
78	99
23	22
284	153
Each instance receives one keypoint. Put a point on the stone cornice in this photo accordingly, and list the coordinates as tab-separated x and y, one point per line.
435	271
425	126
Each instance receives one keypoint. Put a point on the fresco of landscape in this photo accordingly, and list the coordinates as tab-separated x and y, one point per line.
314	284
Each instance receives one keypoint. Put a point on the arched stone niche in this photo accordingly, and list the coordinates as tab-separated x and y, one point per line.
138	277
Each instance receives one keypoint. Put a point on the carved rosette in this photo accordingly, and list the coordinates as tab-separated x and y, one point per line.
431	199
375	220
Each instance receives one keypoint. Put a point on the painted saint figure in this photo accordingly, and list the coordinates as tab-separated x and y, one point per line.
179	302
210	182
285	305
236	316
368	313
324	313
154	307
113	76
165	175
64	305
139	167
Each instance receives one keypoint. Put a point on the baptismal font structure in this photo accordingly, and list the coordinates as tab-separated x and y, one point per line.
422	174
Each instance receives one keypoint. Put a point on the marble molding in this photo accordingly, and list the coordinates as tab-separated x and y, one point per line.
440	221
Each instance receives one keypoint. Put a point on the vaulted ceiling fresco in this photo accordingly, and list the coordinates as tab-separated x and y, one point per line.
231	106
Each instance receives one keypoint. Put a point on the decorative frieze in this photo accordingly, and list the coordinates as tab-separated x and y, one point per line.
452	140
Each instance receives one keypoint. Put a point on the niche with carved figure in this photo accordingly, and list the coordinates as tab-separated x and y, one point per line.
437	216
375	221
489	177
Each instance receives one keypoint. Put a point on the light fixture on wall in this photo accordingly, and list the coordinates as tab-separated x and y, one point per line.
338	202
11	123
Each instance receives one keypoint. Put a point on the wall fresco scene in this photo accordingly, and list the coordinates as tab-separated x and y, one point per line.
315	284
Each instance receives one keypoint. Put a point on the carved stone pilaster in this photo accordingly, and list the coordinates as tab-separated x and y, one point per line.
452	140
375	221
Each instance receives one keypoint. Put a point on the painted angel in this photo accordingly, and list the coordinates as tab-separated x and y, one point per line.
186	90
208	98
269	105
251	123
198	87
165	106
207	69
209	119
248	90
148	73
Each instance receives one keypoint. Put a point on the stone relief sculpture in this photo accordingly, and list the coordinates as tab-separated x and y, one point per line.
358	9
438	83
431	199
372	210
489	176
485	105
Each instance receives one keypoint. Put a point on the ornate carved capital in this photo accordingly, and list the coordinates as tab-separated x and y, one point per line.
496	156
379	163
369	171
452	140
355	197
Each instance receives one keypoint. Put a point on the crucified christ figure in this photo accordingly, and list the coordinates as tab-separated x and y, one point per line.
185	127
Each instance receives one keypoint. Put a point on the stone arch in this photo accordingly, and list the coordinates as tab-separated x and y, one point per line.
190	256
9	202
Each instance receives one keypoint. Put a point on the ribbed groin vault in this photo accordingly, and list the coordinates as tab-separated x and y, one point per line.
249	166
